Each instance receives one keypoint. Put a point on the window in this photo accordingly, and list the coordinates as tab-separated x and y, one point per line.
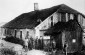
5	32
66	17
39	21
59	16
8	32
21	34
71	16
55	18
63	17
75	16
51	20
27	34
81	19
15	33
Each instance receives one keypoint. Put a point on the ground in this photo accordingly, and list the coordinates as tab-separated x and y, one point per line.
19	49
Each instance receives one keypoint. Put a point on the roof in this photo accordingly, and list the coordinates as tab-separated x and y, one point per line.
29	20
71	25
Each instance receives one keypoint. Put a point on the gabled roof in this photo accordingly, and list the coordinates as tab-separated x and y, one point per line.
29	20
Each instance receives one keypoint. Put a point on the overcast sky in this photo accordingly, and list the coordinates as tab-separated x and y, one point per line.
9	9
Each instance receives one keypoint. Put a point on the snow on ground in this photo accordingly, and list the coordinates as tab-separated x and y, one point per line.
36	52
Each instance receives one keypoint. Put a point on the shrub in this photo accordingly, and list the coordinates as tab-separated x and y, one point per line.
6	51
14	40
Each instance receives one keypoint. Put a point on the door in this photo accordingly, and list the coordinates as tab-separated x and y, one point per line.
72	41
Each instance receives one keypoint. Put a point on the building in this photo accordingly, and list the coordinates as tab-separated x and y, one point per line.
35	23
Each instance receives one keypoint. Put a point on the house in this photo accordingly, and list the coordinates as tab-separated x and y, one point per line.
35	23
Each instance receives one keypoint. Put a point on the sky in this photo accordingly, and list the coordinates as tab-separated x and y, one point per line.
9	9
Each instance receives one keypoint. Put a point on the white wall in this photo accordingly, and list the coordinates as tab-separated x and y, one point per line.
46	24
24	33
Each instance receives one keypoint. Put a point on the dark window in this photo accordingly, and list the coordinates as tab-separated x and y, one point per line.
15	33
76	17
27	34
21	34
8	32
68	16
63	17
39	21
59	16
51	20
5	32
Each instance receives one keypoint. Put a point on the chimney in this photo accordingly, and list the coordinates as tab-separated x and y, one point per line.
35	6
